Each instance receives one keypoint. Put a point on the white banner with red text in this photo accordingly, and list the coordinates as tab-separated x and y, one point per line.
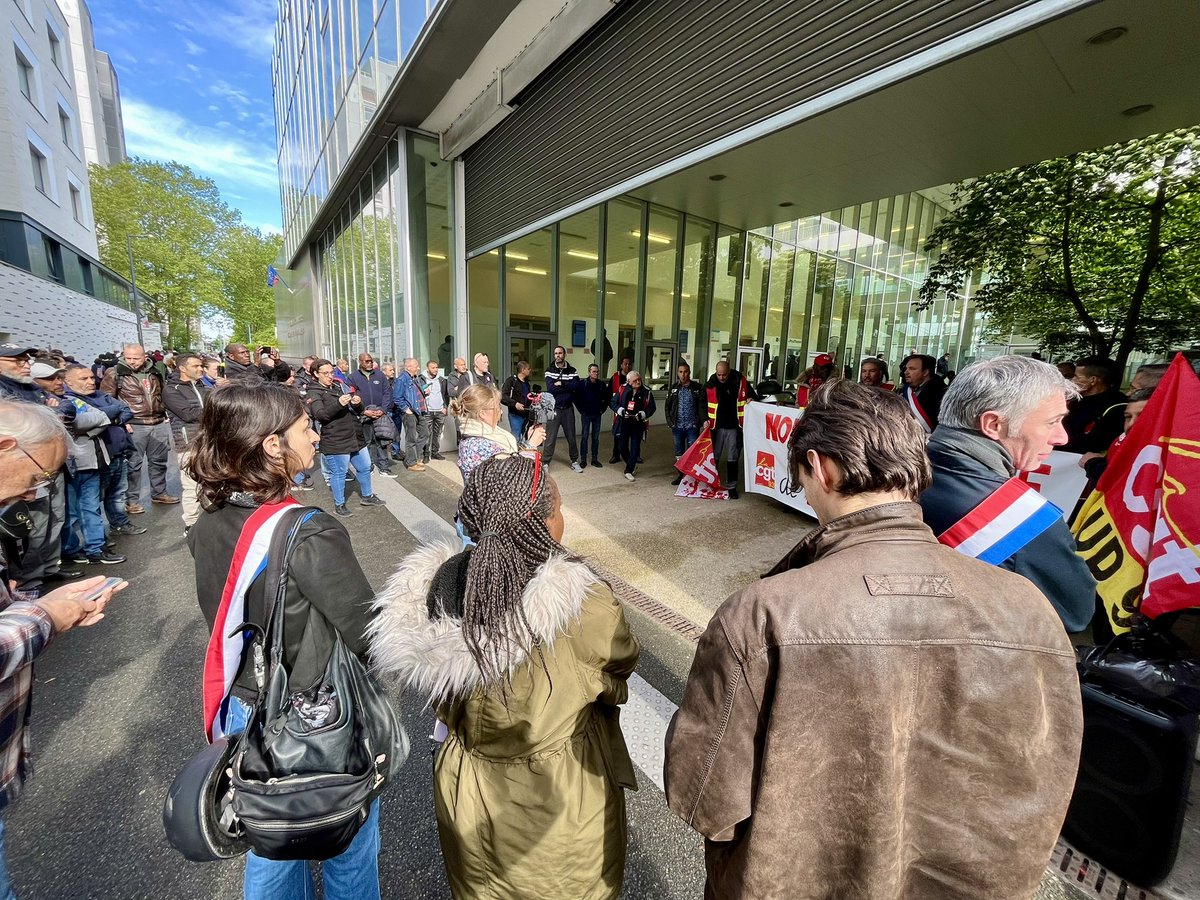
765	461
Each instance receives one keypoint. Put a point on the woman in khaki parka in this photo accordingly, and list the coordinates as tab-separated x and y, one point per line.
525	654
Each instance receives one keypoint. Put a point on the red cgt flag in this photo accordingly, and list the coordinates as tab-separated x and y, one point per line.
701	480
698	462
1139	531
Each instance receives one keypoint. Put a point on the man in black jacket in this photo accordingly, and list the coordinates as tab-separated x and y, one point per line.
999	418
372	385
593	398
562	381
239	366
923	390
685	412
184	398
1097	417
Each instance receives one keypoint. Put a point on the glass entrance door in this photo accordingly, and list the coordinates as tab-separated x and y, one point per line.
535	347
659	371
750	363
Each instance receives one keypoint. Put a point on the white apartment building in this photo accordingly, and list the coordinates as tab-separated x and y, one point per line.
59	111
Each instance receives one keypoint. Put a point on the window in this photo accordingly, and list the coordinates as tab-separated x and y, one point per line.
41	170
64	125
76	203
25	75
56	48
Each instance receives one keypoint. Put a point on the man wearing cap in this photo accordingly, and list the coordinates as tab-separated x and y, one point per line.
141	383
16	378
923	390
822	371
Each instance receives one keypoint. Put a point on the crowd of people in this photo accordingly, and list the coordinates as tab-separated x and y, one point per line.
813	741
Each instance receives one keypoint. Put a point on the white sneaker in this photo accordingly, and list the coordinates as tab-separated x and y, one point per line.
576	467
629	476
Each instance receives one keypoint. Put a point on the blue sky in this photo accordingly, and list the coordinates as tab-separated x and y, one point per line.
195	81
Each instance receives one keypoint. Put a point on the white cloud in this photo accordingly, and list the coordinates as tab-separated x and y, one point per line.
269	228
249	26
165	135
228	92
193	49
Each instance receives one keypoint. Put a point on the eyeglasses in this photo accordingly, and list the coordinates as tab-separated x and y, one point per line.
46	476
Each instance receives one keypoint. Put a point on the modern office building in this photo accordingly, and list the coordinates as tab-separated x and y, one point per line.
671	179
112	124
53	291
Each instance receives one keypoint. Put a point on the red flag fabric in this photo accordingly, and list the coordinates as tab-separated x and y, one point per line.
698	461
1139	531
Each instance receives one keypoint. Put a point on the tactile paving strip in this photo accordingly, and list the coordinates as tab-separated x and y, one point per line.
644	720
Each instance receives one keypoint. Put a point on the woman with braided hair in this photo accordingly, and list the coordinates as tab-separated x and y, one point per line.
524	653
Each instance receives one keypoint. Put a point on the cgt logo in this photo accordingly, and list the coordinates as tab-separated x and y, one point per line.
764	470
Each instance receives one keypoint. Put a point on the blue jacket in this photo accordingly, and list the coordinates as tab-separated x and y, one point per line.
373	388
562	384
407	395
967	468
116	438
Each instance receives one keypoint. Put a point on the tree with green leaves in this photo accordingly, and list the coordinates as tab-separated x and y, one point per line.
177	221
247	300
1093	253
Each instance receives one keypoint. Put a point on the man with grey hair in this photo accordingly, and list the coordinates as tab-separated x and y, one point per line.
999	418
33	446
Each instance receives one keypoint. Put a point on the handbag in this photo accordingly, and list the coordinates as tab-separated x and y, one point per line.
310	764
299	781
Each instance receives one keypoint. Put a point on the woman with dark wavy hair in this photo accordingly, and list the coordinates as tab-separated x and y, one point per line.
525	654
253	440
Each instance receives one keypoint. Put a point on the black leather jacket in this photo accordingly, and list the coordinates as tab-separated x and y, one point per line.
326	589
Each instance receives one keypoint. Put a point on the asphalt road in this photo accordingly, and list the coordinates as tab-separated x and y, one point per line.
116	713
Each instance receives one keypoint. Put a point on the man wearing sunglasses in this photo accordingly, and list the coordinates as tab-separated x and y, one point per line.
16	378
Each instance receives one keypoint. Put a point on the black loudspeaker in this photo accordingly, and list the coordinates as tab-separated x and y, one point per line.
1134	774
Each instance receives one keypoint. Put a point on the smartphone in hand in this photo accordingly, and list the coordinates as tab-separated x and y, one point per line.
108	585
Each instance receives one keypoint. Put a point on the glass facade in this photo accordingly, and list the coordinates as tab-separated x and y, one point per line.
628	278
333	62
384	264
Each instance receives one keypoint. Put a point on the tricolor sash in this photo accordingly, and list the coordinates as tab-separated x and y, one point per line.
917	410
223	657
1006	521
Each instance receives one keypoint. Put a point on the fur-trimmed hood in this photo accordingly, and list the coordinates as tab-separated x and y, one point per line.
430	655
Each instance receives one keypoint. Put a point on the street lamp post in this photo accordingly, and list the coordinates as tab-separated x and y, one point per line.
137	302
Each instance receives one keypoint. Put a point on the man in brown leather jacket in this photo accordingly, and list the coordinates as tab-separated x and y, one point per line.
140	382
880	717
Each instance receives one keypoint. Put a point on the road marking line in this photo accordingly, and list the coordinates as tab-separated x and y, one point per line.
417	519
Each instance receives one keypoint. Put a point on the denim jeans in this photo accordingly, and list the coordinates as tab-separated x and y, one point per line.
339	463
83	514
684	438
6	889
113	491
354	875
516	423
435	422
629	443
589	428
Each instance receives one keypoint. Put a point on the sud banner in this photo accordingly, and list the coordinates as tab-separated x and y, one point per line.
1139	530
768	427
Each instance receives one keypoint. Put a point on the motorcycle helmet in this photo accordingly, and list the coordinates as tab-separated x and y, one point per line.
198	812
